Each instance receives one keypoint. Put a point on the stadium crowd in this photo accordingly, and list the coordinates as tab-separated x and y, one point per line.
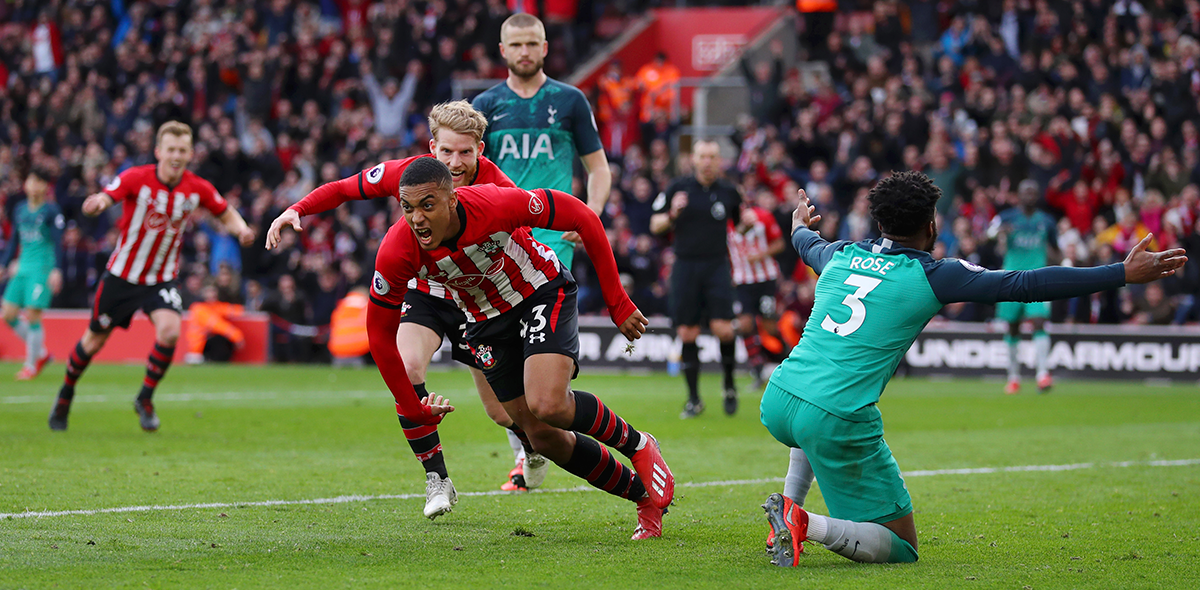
1096	100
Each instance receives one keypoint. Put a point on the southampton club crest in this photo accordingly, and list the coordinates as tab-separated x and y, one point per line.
490	247
484	354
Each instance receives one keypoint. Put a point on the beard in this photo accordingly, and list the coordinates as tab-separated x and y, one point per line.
526	70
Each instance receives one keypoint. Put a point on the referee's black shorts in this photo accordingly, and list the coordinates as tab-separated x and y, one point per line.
701	290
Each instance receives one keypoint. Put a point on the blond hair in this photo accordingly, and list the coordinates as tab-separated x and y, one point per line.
173	128
522	20
458	116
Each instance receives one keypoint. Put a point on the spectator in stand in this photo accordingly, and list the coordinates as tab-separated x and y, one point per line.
763	80
615	111
78	274
291	319
658	88
390	101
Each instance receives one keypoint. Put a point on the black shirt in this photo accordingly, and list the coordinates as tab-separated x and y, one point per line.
700	229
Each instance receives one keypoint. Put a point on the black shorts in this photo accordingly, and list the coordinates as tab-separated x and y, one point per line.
757	299
443	317
117	300
546	322
701	289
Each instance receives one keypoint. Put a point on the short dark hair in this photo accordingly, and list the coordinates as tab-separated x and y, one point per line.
41	173
904	202
427	170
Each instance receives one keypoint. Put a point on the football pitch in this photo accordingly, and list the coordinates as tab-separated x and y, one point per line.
300	477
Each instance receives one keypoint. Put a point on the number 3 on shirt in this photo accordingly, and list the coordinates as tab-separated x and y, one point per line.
858	313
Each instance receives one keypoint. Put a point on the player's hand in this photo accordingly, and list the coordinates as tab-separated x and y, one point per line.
1142	266
288	217
803	215
246	235
55	281
437	405
573	237
678	201
96	204
634	326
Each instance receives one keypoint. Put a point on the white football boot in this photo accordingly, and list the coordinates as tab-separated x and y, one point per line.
536	466
440	496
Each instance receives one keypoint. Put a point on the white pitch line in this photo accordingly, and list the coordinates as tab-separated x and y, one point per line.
698	484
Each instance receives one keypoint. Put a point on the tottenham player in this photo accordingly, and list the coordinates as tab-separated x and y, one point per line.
872	300
1030	235
522	322
156	201
33	275
429	310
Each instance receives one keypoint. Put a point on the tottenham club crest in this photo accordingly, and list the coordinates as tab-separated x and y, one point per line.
380	285
375	174
484	354
553	111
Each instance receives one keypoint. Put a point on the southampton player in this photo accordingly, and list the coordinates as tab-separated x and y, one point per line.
33	275
1030	234
429	312
522	322
156	202
753	243
536	128
872	300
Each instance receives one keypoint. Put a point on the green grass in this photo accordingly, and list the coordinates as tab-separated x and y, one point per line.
235	435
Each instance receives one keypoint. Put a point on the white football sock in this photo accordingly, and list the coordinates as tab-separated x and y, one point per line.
518	449
864	542
34	348
1041	351
799	477
20	327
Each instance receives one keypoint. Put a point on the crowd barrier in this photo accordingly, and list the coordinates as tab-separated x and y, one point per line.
63	328
949	349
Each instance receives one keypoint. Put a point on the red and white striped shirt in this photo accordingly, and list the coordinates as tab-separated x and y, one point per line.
382	181
743	246
153	220
489	267
494	263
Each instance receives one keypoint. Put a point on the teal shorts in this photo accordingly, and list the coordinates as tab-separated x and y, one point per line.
1014	311
29	290
858	477
563	249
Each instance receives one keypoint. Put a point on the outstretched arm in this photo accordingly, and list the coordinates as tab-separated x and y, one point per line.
383	321
566	213
955	280
323	198
813	249
232	220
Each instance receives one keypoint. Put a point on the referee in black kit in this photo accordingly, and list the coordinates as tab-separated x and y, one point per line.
696	210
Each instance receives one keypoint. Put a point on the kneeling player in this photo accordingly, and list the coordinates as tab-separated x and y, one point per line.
872	300
521	302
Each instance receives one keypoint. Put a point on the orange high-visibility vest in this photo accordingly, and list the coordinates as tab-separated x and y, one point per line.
348	327
212	318
816	5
